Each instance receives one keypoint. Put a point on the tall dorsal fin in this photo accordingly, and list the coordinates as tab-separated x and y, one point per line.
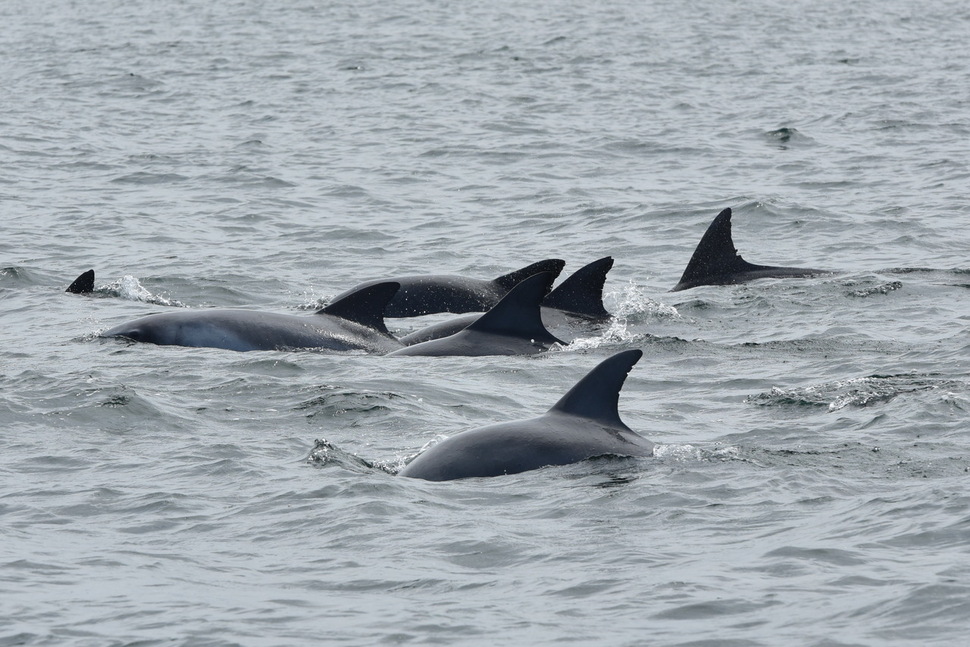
83	284
582	292
518	314
597	395
364	306
715	255
512	279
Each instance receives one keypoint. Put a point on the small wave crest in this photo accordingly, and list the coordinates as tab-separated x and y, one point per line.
884	288
854	392
690	453
326	454
336	401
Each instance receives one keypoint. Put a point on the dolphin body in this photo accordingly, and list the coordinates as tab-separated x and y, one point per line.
716	261
354	322
512	327
580	296
431	293
583	424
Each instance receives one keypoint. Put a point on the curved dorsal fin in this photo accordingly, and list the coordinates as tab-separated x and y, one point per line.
715	255
582	291
364	306
597	395
512	279
518	314
83	284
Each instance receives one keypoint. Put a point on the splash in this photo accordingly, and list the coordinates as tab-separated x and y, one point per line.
632	307
131	289
632	303
313	301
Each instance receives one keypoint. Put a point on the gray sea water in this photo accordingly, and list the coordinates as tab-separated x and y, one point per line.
811	480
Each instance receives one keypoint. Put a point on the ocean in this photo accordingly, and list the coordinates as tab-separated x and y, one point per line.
810	484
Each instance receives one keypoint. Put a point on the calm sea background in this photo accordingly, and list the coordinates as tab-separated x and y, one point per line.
811	484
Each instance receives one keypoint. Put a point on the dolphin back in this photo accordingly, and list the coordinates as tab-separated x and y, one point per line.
583	424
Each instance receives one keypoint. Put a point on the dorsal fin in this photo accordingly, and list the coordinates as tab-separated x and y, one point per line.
512	279
715	256
597	395
364	306
582	292
83	284
518	314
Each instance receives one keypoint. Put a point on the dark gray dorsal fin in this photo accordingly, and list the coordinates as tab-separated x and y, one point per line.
83	284
518	314
364	306
715	255
582	292
512	279
597	395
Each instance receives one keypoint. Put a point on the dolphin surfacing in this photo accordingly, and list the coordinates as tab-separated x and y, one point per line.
354	322
513	327
578	297
716	261
432	293
584	423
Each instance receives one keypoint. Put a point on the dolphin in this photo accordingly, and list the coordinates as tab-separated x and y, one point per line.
354	322
83	284
717	262
512	327
431	293
580	296
583	424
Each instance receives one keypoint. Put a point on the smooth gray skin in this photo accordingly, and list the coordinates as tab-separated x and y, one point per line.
716	261
352	323
432	293
578	298
512	327
583	424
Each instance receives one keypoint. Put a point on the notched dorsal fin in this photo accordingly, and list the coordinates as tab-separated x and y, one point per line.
83	284
364	306
518	314
715	254
582	292
512	279
597	395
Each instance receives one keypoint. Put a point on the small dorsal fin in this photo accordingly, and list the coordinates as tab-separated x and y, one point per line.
83	284
518	314
512	279
582	292
364	306
597	395
715	255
